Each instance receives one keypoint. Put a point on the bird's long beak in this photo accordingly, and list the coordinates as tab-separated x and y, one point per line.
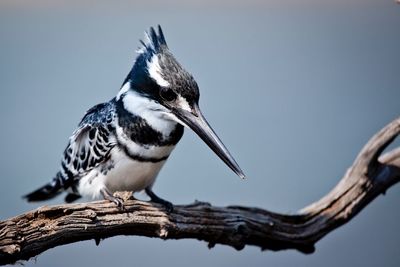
196	121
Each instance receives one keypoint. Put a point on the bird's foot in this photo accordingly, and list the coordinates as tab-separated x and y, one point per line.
117	200
168	205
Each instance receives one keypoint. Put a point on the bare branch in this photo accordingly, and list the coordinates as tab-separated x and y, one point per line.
29	234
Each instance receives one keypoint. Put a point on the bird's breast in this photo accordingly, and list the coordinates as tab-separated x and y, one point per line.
133	168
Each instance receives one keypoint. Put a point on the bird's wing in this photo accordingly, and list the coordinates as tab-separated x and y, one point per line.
90	144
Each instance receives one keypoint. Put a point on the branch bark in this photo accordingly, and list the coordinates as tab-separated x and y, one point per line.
371	174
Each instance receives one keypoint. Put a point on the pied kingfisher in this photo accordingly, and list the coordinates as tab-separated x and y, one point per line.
121	145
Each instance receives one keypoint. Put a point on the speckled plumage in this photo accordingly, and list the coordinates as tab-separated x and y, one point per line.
89	146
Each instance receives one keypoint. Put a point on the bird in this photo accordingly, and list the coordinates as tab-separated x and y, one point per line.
122	144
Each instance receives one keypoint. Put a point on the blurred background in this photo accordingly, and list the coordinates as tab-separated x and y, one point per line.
293	88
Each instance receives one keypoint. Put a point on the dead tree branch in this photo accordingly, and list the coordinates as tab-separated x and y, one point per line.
371	174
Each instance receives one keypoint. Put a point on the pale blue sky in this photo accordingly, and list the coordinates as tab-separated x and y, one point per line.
293	88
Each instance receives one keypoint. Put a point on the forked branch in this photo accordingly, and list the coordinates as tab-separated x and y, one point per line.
371	174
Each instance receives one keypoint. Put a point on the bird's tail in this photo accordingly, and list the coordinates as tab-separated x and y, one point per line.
48	191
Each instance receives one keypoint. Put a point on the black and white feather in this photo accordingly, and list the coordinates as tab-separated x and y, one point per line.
89	147
153	42
91	144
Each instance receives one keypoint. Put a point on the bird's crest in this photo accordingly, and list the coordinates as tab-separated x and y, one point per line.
153	41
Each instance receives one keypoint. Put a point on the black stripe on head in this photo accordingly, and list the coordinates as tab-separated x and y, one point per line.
153	44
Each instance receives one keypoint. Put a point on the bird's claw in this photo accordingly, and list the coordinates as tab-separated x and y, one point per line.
168	206
119	202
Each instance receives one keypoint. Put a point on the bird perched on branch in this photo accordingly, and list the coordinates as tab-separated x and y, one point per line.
121	145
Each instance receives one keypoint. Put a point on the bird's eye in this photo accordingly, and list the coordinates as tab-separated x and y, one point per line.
167	94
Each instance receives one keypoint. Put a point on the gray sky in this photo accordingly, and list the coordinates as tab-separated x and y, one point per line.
293	88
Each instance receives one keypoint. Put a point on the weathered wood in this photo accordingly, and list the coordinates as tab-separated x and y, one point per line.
29	234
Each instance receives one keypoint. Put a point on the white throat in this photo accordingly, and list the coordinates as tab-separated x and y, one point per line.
148	109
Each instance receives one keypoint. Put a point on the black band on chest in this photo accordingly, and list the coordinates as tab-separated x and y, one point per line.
141	158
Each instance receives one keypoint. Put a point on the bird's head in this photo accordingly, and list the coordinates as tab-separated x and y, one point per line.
157	76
